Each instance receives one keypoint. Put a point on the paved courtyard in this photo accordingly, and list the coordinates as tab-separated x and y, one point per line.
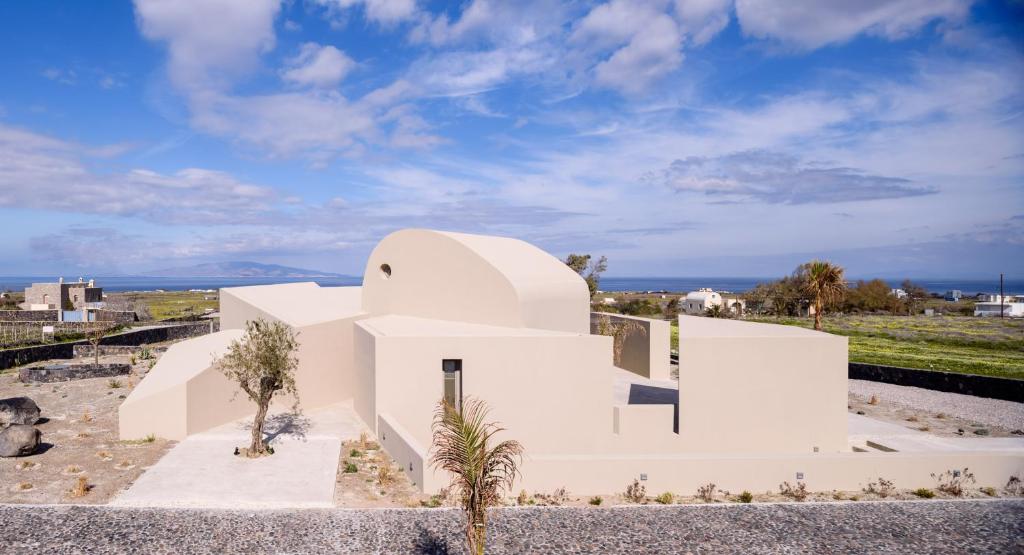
865	527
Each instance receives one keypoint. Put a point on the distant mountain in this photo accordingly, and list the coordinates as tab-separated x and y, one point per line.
239	269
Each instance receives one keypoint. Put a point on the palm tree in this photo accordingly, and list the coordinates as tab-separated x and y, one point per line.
479	472
824	282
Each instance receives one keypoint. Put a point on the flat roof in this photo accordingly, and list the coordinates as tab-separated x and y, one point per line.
393	325
302	304
702	326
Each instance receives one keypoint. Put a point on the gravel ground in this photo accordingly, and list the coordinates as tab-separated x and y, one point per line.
890	527
991	412
80	439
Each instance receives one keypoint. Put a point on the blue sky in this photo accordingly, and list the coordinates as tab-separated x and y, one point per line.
688	138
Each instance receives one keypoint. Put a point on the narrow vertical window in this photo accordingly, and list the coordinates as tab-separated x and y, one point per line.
452	369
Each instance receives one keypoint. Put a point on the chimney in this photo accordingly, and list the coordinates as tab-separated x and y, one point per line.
61	280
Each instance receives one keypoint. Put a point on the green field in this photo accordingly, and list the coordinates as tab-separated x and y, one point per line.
964	344
169	304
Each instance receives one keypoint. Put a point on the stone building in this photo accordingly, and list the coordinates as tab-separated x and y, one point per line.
62	296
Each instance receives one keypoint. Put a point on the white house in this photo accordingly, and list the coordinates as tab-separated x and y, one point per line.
696	302
1010	308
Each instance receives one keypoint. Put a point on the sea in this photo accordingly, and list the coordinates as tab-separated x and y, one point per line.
608	284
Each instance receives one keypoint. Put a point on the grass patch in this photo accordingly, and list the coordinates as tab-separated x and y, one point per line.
961	344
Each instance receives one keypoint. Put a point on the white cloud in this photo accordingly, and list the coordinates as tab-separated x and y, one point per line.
814	23
703	19
318	66
384	12
212	41
778	178
644	42
41	172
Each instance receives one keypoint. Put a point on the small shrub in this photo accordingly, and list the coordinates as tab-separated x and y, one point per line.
665	498
1014	486
24	486
745	497
796	493
81	487
146	354
989	491
114	384
882	488
873	400
706	492
924	428
523	498
134	362
636	492
86	417
596	500
72	469
25	465
558	497
386	475
952	482
940	416
924	493
434	502
362	440
912	419
104	455
350	468
355	453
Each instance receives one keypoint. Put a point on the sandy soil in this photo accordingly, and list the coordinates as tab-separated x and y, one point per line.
364	487
79	427
936	423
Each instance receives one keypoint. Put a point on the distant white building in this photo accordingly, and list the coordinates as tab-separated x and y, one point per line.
1011	308
898	293
697	302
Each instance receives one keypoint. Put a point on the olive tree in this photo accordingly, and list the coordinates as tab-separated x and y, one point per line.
262	362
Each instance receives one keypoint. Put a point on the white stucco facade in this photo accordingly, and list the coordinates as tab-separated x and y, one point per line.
515	323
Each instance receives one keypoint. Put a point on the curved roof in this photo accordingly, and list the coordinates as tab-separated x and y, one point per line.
474	278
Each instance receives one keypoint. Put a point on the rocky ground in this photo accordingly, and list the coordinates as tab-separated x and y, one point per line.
80	440
921	527
937	412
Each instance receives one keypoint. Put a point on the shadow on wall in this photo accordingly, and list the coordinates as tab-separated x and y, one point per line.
640	394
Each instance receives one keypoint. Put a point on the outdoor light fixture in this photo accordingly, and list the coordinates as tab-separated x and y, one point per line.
643	477
799	475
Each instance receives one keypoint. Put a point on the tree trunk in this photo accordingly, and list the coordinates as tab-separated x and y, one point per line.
257	448
817	314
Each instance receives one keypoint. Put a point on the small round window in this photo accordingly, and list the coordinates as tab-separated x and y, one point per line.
385	271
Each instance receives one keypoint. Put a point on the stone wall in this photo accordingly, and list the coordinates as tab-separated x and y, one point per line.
87	350
28	316
25	355
118	316
966	384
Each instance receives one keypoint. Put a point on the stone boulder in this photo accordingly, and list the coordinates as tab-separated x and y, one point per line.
18	440
18	410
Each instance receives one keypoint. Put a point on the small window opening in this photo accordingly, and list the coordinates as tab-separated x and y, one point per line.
452	369
385	271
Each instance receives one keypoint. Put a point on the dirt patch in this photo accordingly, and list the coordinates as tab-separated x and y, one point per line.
81	450
369	478
935	423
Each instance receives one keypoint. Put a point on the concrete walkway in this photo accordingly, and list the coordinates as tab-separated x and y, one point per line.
990	527
863	429
202	471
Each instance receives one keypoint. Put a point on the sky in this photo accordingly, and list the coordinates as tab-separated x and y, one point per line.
677	138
